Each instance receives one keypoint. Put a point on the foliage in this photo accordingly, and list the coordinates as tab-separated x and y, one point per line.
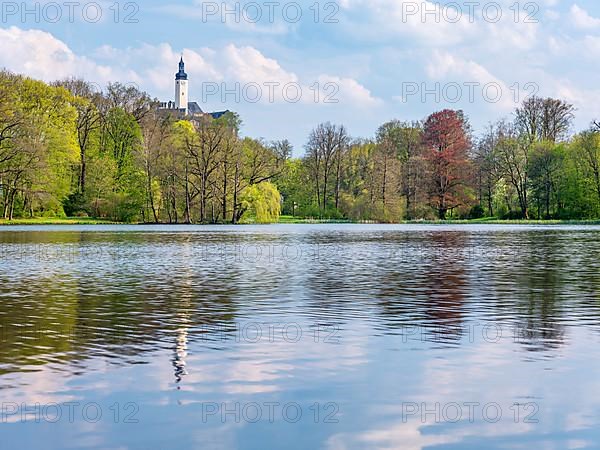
446	139
66	149
261	203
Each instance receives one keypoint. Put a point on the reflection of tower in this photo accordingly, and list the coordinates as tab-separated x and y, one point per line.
181	87
180	354
184	307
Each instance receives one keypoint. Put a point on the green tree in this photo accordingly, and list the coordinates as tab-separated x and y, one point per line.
261	203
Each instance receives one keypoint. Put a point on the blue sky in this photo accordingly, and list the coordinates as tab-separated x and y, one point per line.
374	58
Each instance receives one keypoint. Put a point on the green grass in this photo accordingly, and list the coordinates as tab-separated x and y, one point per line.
56	221
496	221
303	220
291	219
486	220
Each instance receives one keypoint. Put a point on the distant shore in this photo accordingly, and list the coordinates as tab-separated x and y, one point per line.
296	220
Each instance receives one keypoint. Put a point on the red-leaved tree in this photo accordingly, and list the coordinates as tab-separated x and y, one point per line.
446	140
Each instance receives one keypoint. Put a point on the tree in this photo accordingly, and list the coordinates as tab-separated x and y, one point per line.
11	116
39	147
388	156
513	153
400	144
587	147
324	154
360	188
293	182
122	136
544	168
446	139
130	99
486	161
184	136
544	119
283	150
411	155
261	203
66	149
203	150
156	129
85	101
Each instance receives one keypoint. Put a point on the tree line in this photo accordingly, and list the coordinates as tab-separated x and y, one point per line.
66	149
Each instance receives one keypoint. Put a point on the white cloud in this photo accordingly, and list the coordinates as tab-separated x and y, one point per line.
347	91
446	66
581	19
584	99
40	55
248	65
152	68
426	22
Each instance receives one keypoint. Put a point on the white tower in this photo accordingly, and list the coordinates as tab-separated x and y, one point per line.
181	88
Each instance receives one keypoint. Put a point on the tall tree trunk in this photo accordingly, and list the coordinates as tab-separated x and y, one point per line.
150	194
82	173
11	210
338	179
203	198
224	199
234	214
325	190
384	185
5	202
187	195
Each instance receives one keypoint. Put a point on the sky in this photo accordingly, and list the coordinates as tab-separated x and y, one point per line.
285	67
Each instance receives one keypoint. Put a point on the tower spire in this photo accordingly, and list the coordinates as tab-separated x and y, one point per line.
181	75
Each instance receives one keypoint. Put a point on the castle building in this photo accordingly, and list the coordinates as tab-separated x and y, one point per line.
182	107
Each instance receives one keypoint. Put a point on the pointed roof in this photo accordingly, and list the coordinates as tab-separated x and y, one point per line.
181	75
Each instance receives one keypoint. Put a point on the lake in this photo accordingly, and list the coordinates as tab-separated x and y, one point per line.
300	337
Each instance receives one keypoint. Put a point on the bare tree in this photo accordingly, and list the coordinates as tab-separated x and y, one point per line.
156	129
324	149
488	173
513	154
129	98
544	119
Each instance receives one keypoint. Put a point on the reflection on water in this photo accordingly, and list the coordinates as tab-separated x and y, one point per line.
378	336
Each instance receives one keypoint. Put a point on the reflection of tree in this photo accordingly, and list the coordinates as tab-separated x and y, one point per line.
414	279
333	285
114	306
421	283
36	330
445	281
540	279
542	285
128	294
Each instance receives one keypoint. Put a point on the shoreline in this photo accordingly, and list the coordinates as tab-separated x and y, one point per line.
287	221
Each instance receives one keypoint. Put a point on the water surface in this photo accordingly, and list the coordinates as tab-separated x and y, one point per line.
300	336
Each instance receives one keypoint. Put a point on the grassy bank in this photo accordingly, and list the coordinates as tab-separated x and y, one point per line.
493	221
56	221
299	220
487	220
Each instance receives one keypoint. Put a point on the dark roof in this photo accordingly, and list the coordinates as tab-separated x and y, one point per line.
217	114
181	75
194	108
